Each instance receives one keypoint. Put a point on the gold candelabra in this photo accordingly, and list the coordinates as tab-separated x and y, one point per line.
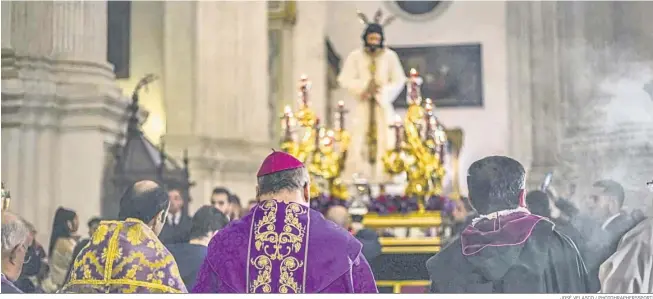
322	150
419	146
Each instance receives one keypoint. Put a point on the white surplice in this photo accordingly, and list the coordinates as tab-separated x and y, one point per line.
630	268
355	76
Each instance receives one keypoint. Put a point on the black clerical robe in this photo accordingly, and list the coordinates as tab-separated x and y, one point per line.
371	244
513	253
603	242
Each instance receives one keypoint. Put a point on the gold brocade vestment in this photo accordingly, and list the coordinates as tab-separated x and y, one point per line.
124	257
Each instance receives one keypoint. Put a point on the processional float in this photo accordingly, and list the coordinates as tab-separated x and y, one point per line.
419	154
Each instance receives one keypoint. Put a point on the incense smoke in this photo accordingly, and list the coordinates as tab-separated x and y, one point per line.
609	132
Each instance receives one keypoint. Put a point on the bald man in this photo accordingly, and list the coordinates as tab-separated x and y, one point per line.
370	239
136	260
14	247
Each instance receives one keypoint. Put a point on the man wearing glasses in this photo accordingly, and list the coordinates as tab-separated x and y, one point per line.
14	247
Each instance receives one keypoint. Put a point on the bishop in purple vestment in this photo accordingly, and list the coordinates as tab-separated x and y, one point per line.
282	245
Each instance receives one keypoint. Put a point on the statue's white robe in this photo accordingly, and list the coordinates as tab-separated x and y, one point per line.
354	76
630	269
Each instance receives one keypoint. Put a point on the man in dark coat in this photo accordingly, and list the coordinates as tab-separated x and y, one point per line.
177	226
539	204
207	221
605	223
369	238
506	249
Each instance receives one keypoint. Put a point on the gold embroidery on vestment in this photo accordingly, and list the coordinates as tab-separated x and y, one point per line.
112	261
272	246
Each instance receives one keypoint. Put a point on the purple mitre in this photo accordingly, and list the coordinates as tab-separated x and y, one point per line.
284	248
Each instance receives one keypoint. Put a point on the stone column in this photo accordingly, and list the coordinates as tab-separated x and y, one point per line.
518	24
60	106
309	51
534	86
224	86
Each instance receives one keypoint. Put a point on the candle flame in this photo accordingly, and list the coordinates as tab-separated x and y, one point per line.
287	110
341	103
413	72
397	119
429	101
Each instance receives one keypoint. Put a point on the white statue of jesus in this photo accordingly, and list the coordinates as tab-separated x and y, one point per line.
373	75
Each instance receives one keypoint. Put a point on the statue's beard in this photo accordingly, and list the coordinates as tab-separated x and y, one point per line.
373	48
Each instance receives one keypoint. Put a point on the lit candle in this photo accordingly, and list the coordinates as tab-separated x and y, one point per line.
397	119
304	86
341	104
286	121
429	107
397	127
413	72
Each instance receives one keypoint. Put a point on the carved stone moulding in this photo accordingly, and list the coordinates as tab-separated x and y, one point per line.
62	95
218	155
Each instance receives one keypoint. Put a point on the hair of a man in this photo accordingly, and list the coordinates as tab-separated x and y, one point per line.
14	232
207	220
220	190
30	226
538	203
612	188
286	180
234	199
495	183
143	201
93	221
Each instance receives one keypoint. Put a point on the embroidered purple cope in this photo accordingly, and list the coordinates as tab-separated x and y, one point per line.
284	248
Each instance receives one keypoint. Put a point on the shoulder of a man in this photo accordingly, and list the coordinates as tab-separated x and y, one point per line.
559	246
326	234
233	238
642	233
445	259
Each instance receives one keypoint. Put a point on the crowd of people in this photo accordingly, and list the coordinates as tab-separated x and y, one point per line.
505	241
